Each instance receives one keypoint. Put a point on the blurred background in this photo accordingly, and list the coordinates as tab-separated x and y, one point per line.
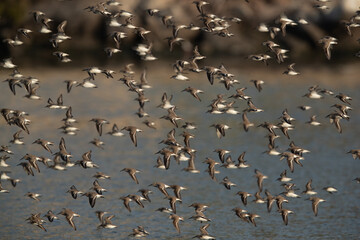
90	32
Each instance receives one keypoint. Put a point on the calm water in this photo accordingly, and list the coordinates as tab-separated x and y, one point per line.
327	164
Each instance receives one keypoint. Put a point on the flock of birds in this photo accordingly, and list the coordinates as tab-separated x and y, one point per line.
212	25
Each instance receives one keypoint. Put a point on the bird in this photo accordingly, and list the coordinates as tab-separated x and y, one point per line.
330	189
200	5
172	202
97	188
99	122
44	143
92	197
194	92
33	196
313	121
246	123
17	139
50	216
327	43
13	82
35	219
284	213
309	190
211	167
131	172
291	71
115	131
260	178
139	232
106	222
2	190
258	84
227	183
315	204
145	193
162	187
355	153
244	196
69	215
177	189
132	132
126	201
344	98
220	129
74	192
176	219
97	142
270	199
252	217
221	154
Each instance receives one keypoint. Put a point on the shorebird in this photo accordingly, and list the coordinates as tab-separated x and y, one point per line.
172	116
260	178
74	192
97	188
220	129
172	202
166	101
211	167
330	189
50	216
13	82
284	213
99	122
327	43
291	71
33	196
145	193
244	196
285	21
92	197
315	204
139	232
227	183
17	139
132	172
106	222
176	220
137	199
177	189
115	131
222	153
69	215
162	188
258	84
44	143
2	190
355	153
132	132
252	217
126	201
194	92
309	190
35	219
241	213
100	175
283	177
200	217
344	98
313	121
97	142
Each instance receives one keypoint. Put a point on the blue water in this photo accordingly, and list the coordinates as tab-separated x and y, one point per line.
327	164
